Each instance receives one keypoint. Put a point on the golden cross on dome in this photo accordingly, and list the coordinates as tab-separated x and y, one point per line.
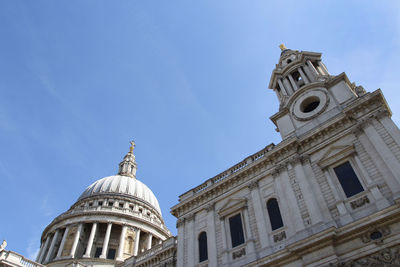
282	47
132	146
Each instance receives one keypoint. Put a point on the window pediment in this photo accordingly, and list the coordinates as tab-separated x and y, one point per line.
233	205
334	154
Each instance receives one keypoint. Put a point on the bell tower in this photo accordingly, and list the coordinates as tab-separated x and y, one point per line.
307	93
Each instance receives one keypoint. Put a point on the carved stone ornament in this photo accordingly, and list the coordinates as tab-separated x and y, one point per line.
381	114
210	207
376	235
279	236
253	185
180	222
384	258
239	253
359	202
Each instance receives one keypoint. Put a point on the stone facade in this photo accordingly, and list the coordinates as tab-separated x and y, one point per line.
327	195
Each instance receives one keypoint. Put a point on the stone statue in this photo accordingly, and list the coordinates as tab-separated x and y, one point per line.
3	245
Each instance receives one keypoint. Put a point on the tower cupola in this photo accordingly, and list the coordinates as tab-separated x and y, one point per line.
127	167
295	70
308	95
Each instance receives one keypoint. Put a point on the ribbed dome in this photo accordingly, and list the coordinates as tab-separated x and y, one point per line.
124	185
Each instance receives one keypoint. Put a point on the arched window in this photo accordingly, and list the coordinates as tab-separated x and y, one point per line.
203	253
274	214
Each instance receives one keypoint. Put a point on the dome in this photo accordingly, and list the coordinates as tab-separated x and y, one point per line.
124	185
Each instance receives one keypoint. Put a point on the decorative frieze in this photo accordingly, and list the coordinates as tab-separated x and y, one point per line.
359	202
279	236
239	253
385	257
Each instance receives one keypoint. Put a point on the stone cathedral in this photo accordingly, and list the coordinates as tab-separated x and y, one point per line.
327	195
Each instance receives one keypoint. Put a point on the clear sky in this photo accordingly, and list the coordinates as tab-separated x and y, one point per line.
187	80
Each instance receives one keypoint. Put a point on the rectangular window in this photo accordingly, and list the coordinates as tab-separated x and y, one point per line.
348	179
236	227
98	252
111	254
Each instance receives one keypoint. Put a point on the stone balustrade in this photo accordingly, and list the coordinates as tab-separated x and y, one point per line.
10	258
222	176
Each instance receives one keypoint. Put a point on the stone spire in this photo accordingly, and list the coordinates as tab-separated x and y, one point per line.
127	167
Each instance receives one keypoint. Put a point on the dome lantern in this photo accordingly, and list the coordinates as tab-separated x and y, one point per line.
127	167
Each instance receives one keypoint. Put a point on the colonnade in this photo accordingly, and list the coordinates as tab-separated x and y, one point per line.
49	246
308	74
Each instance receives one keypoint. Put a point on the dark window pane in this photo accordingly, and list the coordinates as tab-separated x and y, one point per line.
203	253
111	254
274	214
98	252
235	224
348	179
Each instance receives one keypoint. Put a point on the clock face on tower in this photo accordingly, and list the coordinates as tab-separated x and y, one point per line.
310	104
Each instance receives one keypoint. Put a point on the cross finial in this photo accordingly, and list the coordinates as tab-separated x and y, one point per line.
132	146
282	47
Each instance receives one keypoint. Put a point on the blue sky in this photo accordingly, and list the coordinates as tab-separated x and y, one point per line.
187	80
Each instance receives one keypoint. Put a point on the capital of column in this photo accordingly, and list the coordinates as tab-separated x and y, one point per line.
210	207
190	217
180	222
253	185
381	113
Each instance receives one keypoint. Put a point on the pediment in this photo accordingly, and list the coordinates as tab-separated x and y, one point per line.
334	154
232	205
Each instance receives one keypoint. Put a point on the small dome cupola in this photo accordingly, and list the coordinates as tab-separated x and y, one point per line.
127	167
295	70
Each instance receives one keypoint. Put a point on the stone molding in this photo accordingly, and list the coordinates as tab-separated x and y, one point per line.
385	257
359	202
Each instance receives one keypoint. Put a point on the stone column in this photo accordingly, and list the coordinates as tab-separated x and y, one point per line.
53	243
314	71
282	87
211	244
303	76
136	247
294	85
288	86
90	241
121	243
309	198
250	239
288	200
106	240
387	156
149	241
189	227
259	213
43	251
60	249
225	255
180	225
323	68
76	240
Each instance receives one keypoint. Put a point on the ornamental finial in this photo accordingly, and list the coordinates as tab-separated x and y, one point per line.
132	146
282	47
